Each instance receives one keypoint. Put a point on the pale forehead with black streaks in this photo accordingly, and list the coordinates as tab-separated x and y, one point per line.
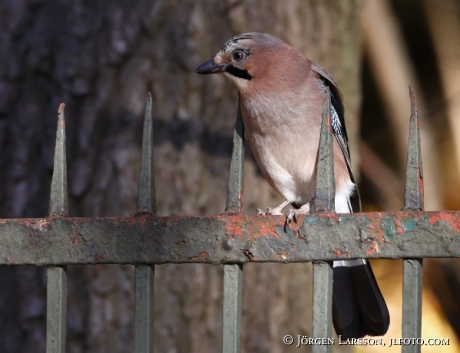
261	39
235	40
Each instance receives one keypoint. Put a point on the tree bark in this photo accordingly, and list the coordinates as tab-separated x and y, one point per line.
101	58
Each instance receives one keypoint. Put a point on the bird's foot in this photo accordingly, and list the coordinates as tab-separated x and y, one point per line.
273	211
293	214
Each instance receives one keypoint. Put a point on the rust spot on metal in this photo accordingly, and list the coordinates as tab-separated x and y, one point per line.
261	226
372	247
370	216
172	221
141	220
60	110
202	256
98	257
234	225
451	218
339	252
267	227
399	228
420	181
375	227
39	224
74	241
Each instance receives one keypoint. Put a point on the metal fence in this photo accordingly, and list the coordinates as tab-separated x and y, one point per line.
231	239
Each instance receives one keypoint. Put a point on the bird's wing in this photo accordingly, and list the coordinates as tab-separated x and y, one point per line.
338	127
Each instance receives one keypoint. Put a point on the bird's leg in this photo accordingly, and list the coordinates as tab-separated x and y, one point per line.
292	214
273	211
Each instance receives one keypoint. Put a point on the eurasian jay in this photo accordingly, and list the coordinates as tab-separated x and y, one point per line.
282	94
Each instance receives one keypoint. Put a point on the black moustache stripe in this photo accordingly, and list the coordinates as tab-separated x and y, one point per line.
232	70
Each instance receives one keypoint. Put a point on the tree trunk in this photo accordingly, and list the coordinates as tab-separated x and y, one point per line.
101	58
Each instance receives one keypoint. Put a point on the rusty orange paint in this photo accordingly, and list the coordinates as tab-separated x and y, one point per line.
373	247
202	256
264	226
142	220
375	226
339	252
234	227
451	218
268	229
399	228
420	182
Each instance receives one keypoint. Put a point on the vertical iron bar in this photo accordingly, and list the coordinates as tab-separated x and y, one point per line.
231	326
143	331
56	309
324	202
233	274
322	303
145	275
413	268
412	303
56	286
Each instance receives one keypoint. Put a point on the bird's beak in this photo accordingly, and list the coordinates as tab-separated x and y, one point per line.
209	68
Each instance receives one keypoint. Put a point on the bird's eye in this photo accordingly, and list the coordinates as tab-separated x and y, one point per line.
238	56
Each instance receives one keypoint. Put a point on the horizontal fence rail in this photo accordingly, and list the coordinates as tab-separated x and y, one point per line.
228	239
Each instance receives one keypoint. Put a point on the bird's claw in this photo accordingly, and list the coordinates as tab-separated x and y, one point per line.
292	215
259	213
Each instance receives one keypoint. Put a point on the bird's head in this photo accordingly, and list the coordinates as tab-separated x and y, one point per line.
247	57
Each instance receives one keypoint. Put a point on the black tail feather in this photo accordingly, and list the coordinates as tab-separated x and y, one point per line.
358	305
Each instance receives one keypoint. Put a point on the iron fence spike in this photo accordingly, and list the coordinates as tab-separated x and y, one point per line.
146	190
235	203
324	201
58	197
414	193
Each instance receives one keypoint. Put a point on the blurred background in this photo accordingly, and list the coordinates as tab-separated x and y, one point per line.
102	57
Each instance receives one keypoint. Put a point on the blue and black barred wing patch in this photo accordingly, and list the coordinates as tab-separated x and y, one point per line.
338	127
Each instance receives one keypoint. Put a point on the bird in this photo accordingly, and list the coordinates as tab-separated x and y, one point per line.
282	94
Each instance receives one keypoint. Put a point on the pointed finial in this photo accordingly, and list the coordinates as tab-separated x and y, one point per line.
325	179
414	192
58	199
146	191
